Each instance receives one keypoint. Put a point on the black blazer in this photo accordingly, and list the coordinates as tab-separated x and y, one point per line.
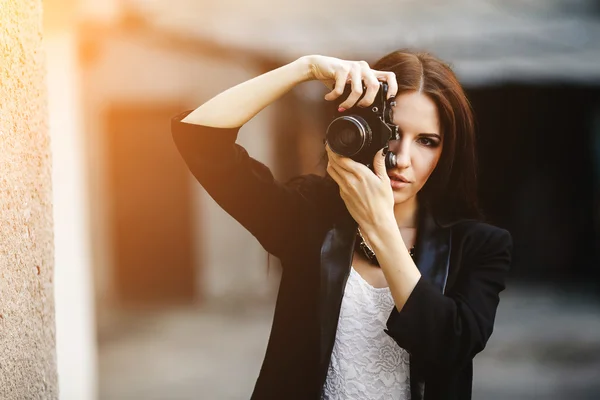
446	320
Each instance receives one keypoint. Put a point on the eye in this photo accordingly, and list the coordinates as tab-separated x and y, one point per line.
425	141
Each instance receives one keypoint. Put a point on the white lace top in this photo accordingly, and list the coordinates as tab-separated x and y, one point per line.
366	363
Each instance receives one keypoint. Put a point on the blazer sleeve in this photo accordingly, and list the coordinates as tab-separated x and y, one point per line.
444	332
273	212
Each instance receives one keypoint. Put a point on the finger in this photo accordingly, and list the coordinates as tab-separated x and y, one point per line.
346	164
335	158
334	173
330	84
390	78
379	165
341	78
372	85
357	87
346	181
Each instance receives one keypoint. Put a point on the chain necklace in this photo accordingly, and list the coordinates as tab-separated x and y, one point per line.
368	251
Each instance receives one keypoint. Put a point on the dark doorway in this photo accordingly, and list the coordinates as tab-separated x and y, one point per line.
150	203
537	175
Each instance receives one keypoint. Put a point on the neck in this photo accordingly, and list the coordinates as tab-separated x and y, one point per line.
406	213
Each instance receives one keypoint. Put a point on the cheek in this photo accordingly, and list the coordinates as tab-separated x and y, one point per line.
424	165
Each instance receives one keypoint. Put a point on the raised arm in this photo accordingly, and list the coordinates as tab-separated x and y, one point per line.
274	213
239	104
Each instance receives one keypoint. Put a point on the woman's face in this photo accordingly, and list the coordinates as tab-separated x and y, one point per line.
420	146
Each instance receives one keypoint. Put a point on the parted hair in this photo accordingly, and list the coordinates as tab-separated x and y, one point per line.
451	190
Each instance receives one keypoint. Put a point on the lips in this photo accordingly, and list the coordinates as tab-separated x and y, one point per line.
399	178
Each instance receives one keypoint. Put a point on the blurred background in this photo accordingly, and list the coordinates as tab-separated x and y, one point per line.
161	295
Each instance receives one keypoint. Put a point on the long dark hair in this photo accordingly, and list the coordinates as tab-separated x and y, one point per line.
451	190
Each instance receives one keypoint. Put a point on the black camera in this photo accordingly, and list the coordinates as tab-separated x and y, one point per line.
360	132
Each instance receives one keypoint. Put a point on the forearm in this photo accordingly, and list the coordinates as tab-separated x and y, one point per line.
237	105
444	331
397	265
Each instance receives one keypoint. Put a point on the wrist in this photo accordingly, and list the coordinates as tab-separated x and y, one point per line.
378	234
304	68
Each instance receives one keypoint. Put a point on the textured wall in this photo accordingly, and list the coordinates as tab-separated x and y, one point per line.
27	344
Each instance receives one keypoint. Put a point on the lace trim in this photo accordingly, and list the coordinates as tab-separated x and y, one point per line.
366	363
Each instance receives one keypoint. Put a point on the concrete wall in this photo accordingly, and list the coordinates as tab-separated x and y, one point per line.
27	338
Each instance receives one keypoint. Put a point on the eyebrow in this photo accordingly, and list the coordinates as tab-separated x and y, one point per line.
436	135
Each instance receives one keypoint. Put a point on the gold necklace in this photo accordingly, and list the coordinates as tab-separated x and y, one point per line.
368	251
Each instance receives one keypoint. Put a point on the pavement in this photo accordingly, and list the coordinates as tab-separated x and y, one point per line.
546	345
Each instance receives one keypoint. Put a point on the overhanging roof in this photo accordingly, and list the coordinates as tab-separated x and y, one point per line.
486	41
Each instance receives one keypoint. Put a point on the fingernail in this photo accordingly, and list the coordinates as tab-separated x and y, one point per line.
341	109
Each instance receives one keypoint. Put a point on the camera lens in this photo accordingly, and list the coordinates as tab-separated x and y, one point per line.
348	135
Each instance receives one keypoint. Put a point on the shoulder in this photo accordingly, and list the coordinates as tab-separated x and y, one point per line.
322	196
311	187
477	237
309	182
479	230
318	191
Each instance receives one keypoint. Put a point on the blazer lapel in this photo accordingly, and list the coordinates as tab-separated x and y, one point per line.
432	251
432	257
336	258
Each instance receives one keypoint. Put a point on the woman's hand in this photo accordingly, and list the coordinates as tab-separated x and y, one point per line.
368	196
336	73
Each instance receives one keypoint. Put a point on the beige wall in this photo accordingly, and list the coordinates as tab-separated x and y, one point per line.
73	287
133	69
27	342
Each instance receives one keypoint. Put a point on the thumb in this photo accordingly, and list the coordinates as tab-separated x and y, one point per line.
379	164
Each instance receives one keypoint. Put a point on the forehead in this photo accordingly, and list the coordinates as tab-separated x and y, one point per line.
415	113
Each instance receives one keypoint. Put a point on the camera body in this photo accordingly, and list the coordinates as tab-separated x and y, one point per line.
360	132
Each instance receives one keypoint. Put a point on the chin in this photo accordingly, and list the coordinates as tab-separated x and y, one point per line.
400	197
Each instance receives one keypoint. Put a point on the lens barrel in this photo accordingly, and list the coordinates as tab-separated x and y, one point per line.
348	135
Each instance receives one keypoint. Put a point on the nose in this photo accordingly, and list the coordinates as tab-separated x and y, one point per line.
401	148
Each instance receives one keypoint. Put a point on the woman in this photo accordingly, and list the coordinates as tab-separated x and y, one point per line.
350	324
